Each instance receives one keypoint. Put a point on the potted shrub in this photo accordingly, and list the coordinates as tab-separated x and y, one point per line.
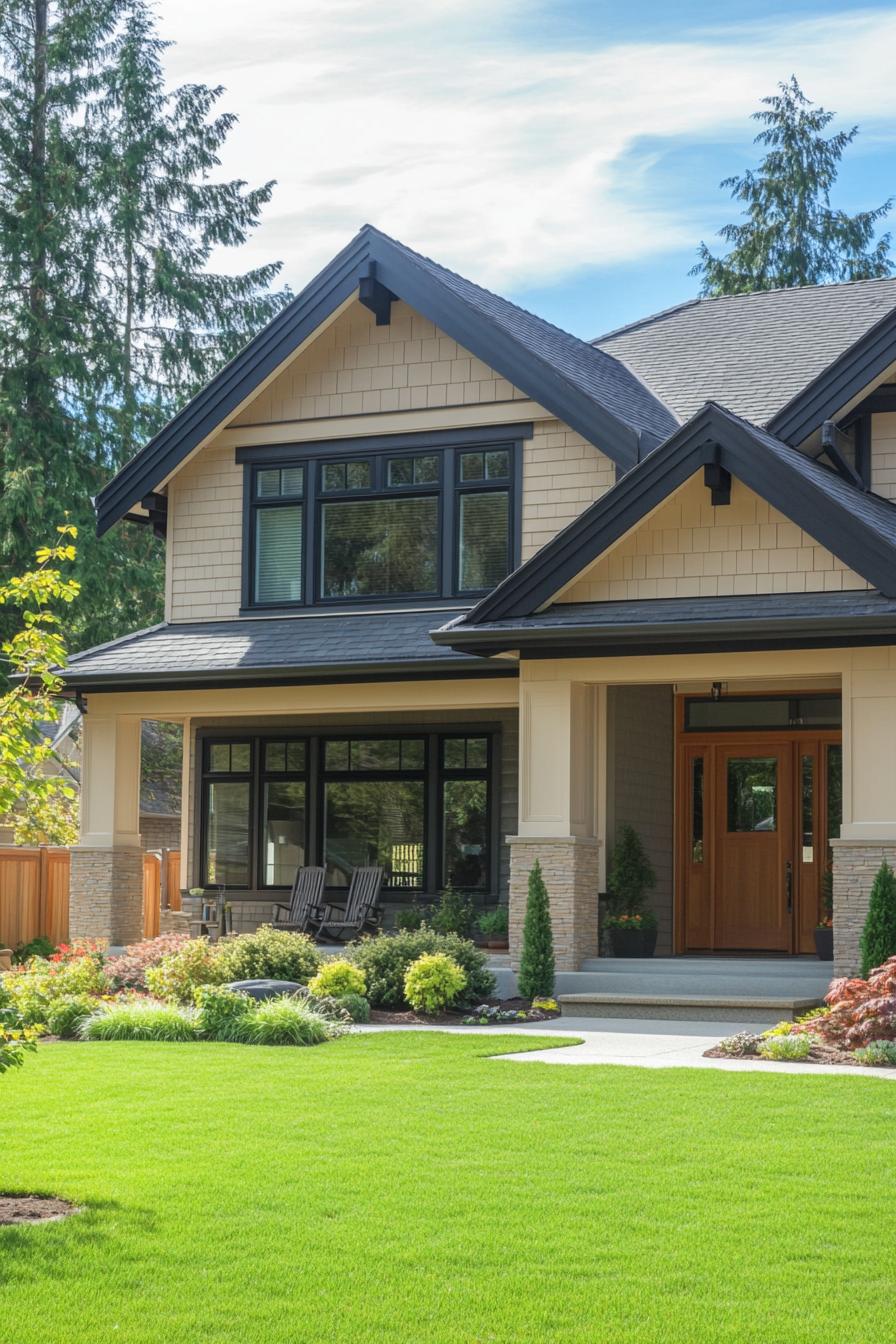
824	929
492	924
631	927
632	935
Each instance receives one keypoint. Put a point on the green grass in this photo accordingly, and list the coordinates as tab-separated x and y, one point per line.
406	1189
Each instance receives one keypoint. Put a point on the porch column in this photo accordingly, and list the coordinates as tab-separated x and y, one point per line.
868	833
106	886
558	815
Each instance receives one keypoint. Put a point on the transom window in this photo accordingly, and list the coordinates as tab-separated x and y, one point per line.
395	525
418	805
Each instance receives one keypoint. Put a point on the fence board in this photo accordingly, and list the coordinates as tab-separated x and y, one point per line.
152	873
33	894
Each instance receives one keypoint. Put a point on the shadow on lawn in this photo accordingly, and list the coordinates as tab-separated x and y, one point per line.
33	1252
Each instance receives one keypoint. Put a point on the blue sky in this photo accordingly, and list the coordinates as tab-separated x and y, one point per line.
566	153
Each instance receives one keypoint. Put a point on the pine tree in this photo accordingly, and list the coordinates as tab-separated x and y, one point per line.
631	873
791	235
878	941
50	59
536	973
109	315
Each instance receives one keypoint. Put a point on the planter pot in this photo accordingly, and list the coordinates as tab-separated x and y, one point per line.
632	942
824	944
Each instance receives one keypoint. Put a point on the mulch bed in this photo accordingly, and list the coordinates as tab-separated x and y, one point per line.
410	1018
16	1210
819	1054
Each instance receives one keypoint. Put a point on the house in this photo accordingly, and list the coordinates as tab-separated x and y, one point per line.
450	590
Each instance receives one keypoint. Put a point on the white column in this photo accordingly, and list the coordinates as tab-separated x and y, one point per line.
110	781
558	759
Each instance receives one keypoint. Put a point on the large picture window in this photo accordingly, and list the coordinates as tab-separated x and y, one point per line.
420	806
393	524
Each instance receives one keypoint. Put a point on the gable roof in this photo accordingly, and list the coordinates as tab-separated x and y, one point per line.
758	353
587	388
858	527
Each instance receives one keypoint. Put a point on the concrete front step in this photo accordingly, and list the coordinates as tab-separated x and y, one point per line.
690	1007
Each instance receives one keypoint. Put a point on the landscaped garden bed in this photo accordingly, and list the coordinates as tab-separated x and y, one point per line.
856	1026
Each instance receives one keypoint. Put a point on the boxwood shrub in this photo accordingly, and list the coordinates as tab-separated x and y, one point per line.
385	960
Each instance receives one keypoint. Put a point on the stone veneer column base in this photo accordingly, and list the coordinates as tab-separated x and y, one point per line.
570	867
855	864
106	894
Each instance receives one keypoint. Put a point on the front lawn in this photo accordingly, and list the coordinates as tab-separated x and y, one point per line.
406	1189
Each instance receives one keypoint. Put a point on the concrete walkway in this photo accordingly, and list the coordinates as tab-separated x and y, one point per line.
643	1043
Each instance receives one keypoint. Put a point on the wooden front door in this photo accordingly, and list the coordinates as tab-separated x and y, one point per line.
755	812
754	847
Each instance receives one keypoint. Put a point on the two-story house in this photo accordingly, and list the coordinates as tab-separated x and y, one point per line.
449	589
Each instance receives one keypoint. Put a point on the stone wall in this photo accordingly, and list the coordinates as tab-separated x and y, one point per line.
640	780
855	865
106	894
570	866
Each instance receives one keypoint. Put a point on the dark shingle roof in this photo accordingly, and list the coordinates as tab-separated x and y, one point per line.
274	648
751	352
601	376
607	627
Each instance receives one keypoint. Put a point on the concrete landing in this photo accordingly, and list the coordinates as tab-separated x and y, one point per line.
721	989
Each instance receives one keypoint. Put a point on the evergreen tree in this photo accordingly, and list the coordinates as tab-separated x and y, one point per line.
50	56
109	316
536	973
791	235
878	941
631	873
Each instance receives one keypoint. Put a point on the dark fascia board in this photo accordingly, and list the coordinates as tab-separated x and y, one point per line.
534	375
86	683
838	384
712	435
680	636
419	288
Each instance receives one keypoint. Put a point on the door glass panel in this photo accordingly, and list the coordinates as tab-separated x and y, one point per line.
752	793
697	810
807	798
835	791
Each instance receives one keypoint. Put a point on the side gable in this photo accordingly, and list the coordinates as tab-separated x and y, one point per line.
858	528
587	389
689	547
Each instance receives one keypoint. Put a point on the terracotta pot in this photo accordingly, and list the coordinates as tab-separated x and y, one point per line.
824	944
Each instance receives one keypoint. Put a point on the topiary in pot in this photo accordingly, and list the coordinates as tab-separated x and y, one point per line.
878	941
536	973
631	928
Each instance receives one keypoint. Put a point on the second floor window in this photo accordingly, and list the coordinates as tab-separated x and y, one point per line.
380	526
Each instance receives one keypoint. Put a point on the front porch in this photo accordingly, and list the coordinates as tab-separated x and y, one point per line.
454	781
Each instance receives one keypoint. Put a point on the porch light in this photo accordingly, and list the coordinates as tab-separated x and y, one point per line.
716	690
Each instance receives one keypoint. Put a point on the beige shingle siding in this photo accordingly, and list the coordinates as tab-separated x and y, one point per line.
355	367
688	548
562	475
883	454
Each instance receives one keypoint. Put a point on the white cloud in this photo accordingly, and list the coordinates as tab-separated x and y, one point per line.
431	120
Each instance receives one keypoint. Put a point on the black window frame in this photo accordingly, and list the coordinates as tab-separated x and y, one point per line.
447	489
795	721
316	775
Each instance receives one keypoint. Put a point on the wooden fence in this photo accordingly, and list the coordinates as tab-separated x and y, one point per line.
34	892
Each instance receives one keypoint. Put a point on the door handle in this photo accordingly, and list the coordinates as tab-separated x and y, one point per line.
788	885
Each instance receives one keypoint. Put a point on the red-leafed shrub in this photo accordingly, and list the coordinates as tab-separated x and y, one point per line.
861	1010
128	971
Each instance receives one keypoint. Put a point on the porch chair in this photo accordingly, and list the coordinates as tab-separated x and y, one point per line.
362	912
305	900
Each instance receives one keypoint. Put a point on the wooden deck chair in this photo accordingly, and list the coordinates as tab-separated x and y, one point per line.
362	912
305	901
